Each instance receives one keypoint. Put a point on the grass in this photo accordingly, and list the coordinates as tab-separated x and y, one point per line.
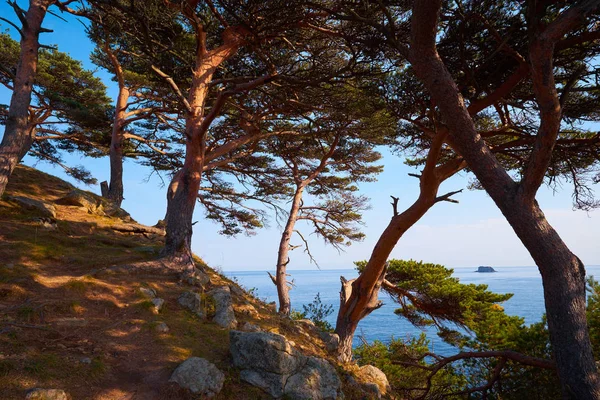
48	276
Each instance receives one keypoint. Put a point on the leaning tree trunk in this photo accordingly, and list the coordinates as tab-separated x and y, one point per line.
359	297
115	188
563	275
283	290
18	134
563	278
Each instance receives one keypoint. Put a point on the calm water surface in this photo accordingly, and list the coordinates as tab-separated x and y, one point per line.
524	282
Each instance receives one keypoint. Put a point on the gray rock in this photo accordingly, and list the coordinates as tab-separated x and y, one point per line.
158	304
237	290
373	380
48	223
268	361
331	340
272	306
46	394
246	309
162	328
224	315
199	376
197	278
270	382
193	302
148	292
85	360
317	380
264	351
81	199
42	208
249	327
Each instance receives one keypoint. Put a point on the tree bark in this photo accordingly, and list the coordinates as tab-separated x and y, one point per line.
19	132
359	297
115	189
563	274
283	290
181	201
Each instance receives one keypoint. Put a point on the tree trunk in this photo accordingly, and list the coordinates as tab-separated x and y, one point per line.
563	278
115	189
358	297
18	133
563	274
283	290
181	201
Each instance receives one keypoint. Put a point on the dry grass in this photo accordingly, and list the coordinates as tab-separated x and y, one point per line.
66	323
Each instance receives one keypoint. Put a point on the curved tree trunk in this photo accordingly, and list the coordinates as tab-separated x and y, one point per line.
283	290
563	278
563	274
359	297
115	188
18	132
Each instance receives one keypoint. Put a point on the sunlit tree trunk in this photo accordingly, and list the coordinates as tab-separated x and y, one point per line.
18	132
283	289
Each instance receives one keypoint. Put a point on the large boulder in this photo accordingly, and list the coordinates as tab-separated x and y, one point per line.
46	394
199	376
224	315
42	208
80	198
193	302
373	380
316	380
269	361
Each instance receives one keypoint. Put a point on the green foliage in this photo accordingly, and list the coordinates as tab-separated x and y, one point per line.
317	312
406	380
429	295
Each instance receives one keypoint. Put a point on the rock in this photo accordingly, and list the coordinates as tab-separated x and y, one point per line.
44	209
46	394
112	210
249	327
237	290
197	278
199	376
269	361
162	328
48	223
331	340
85	360
317	380
264	351
272	306
193	302
148	292
81	199
485	269
373	380
158	304
224	315
307	324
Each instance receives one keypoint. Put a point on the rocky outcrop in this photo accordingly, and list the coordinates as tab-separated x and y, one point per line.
373	380
268	361
79	198
331	340
47	394
199	376
193	302
224	315
41	207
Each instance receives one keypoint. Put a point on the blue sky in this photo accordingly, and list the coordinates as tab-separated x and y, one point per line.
467	234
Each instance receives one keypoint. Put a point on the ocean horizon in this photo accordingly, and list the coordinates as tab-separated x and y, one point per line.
524	282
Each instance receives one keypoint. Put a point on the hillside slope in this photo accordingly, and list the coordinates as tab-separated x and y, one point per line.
70	319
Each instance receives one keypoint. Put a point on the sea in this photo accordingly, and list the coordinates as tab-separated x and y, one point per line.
524	283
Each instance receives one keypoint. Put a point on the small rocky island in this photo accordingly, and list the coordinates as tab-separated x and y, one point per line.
485	269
